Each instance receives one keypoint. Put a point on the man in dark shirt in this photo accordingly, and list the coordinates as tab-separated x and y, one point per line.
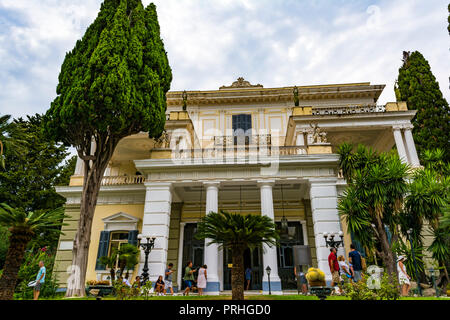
355	259
334	267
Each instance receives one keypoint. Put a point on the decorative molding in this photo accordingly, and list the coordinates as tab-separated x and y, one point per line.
241	83
120	221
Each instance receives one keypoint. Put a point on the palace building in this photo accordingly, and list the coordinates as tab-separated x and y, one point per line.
242	148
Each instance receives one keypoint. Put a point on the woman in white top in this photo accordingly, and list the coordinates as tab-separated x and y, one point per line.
403	277
201	279
344	269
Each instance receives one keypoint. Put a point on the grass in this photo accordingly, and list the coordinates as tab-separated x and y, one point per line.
228	297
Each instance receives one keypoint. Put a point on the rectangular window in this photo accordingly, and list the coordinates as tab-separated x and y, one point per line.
242	128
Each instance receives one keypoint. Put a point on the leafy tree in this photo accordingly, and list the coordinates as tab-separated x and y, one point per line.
12	139
23	227
417	86
128	257
30	175
374	198
112	84
237	232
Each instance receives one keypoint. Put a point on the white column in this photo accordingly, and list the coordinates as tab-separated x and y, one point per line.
180	255
323	195
399	143
269	253
211	256
156	221
410	146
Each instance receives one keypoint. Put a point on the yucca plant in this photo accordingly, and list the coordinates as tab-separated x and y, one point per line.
237	232
110	262
23	226
374	198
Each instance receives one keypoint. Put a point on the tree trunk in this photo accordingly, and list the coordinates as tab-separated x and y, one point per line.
387	254
237	274
91	186
14	258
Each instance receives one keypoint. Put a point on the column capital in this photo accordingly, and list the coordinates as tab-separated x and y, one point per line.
265	183
158	185
408	126
209	184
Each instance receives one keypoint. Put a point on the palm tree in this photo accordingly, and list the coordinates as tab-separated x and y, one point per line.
23	227
237	232
128	257
374	198
110	262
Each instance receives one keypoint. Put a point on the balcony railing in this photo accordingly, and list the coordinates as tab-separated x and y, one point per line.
238	152
118	180
348	109
243	139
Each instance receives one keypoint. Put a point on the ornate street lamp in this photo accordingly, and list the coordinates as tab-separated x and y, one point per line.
414	259
330	242
147	247
268	277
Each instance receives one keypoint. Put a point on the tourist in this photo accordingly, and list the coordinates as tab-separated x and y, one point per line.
40	278
201	279
168	278
334	267
159	286
126	281
344	269
403	277
355	259
300	275
188	277
137	282
248	277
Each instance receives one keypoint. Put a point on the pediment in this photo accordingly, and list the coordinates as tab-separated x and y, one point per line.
121	217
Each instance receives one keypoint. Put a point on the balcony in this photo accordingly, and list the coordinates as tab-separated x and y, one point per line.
121	180
243	139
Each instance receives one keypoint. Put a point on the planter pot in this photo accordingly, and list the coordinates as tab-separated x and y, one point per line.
103	290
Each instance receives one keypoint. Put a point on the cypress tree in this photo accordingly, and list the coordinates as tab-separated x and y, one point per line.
417	86
112	84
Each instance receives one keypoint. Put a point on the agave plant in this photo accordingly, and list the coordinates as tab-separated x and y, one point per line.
23	227
237	232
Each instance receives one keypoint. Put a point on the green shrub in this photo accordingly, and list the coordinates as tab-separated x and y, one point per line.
360	290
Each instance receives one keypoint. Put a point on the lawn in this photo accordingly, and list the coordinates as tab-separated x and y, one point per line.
251	297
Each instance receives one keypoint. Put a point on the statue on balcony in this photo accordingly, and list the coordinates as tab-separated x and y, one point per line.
296	100
184	96
318	136
163	141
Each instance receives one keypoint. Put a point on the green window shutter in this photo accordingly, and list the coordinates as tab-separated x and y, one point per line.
103	247
132	237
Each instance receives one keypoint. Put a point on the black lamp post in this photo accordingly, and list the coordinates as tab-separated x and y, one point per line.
415	262
268	277
330	242
147	247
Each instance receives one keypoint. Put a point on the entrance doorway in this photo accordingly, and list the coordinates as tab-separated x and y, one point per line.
192	250
252	260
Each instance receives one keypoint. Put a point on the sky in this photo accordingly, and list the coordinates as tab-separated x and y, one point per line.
211	43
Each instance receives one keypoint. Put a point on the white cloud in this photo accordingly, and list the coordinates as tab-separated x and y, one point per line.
210	43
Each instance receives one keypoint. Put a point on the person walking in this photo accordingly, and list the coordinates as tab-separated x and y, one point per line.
403	277
188	277
355	259
201	279
334	267
301	277
248	277
40	279
168	279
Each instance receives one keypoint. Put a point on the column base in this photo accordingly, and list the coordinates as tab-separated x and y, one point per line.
212	288
275	287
